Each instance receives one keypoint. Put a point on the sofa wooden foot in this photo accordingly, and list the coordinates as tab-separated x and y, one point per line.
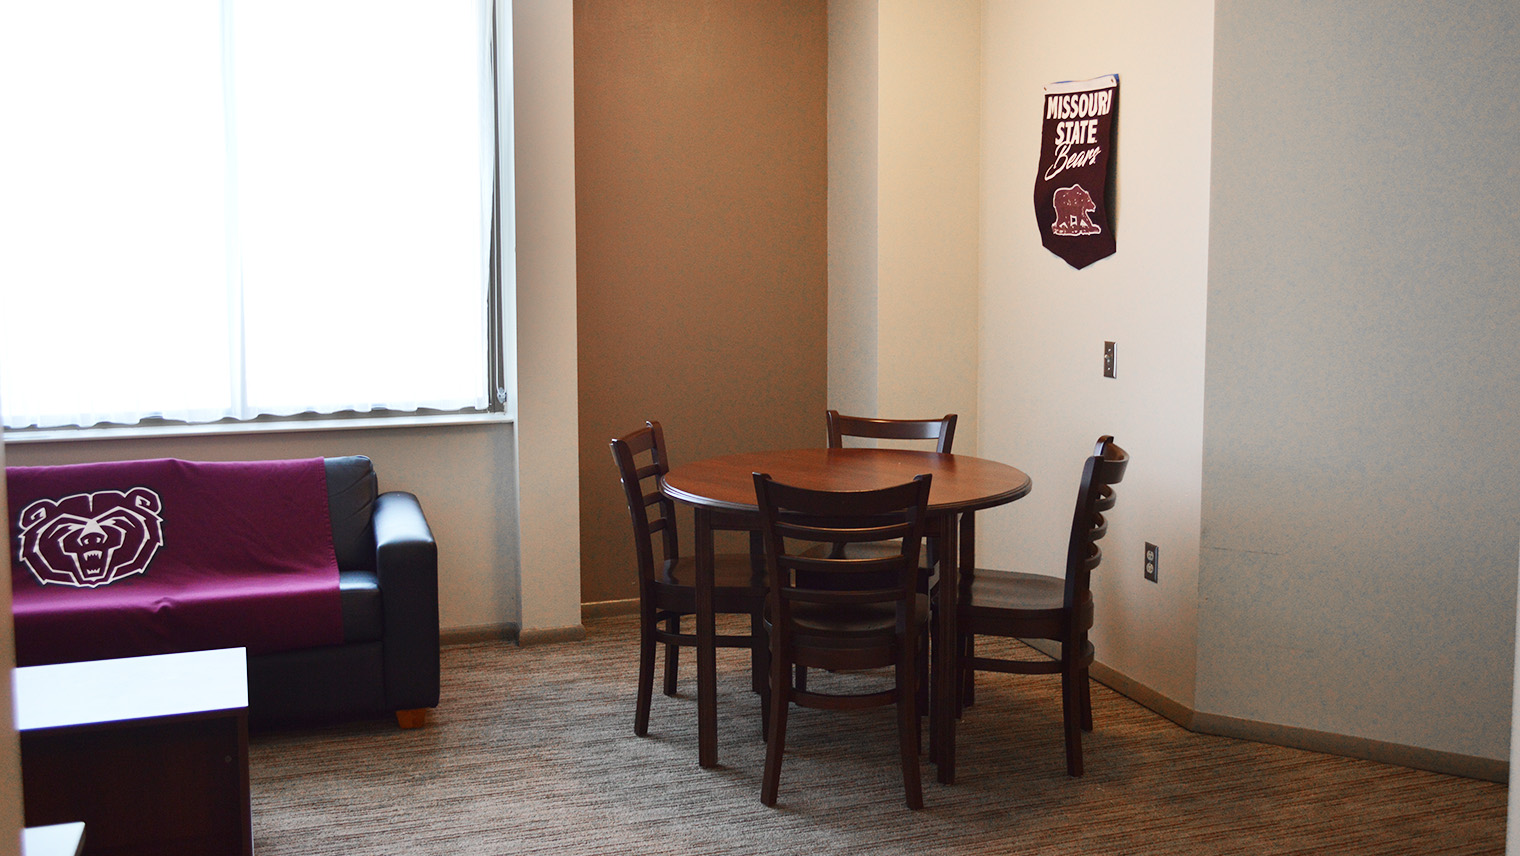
412	718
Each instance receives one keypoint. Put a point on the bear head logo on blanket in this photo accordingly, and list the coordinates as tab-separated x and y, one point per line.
91	539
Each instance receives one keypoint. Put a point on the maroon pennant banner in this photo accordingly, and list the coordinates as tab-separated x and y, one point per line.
1071	187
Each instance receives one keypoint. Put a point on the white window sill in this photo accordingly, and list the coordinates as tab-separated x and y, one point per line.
296	426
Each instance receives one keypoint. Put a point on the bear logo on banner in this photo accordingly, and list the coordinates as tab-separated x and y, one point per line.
1072	205
91	539
1071	187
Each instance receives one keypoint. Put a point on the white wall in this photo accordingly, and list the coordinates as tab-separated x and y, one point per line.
1044	400
903	83
1361	496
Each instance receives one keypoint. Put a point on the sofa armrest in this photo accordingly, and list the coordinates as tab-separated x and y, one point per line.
406	564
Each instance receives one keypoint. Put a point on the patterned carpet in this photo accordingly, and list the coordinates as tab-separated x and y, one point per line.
532	752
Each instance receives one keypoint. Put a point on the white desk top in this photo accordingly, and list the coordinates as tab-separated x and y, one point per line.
59	839
131	688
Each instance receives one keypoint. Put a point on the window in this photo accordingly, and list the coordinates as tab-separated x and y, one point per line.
246	208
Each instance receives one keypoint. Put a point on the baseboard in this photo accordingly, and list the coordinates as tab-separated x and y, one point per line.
478	633
510	632
1143	695
1414	757
1449	763
605	608
547	635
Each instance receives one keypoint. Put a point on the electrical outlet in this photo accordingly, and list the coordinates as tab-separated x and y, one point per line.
1110	360
1152	562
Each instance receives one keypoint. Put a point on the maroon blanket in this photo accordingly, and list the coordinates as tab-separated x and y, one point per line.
151	557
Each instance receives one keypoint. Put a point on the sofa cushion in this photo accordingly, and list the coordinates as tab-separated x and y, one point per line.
360	595
351	490
316	684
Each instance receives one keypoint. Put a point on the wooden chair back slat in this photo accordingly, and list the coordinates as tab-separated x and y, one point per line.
941	430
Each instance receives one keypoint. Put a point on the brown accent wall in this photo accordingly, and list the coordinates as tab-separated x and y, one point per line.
701	229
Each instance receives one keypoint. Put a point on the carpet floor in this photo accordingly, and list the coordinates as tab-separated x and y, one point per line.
532	751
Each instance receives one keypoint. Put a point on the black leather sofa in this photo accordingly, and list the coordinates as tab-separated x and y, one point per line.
388	579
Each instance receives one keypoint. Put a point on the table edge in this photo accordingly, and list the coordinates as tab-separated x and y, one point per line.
978	504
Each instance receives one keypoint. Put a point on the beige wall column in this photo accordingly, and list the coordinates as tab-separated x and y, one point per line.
853	234
546	400
904	89
928	190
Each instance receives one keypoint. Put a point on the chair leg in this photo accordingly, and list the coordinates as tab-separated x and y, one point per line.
672	655
907	728
1071	714
934	735
921	661
765	712
761	664
967	695
1085	683
646	675
758	645
925	702
780	692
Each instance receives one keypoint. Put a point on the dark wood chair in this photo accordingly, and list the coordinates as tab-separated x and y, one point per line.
1033	606
941	430
844	614
667	589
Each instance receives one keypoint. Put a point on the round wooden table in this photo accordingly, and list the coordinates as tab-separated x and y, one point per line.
721	491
